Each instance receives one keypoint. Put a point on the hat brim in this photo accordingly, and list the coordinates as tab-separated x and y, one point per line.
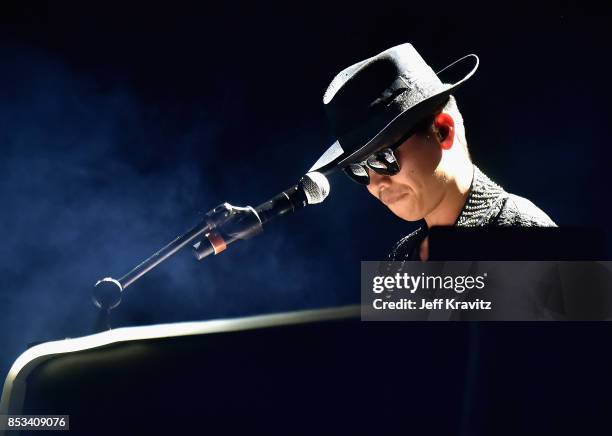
335	156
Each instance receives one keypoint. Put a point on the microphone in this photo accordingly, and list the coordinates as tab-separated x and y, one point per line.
313	188
229	223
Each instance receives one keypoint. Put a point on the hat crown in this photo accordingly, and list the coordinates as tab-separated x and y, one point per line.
401	60
362	90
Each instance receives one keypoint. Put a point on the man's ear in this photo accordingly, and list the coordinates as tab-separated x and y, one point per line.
445	127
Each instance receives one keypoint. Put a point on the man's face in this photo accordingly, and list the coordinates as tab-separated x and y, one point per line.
419	186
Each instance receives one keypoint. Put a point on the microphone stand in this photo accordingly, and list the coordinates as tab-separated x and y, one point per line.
163	254
221	226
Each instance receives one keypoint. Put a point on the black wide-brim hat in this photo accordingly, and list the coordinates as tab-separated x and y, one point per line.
376	102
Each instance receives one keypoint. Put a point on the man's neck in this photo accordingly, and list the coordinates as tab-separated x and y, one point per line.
455	196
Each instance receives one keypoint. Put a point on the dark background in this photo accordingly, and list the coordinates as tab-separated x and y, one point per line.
120	124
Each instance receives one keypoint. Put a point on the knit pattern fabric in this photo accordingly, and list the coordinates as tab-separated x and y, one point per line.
488	204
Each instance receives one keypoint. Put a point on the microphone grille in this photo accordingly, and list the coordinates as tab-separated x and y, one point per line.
315	186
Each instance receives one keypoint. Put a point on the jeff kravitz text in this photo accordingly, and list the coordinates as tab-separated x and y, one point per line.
435	304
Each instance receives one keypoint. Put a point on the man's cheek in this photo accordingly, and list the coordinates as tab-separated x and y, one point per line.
372	190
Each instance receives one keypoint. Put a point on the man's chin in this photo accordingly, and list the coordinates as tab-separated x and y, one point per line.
406	214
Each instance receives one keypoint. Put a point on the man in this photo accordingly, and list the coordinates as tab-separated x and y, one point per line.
401	134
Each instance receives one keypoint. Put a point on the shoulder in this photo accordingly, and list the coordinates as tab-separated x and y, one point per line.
489	204
518	211
407	248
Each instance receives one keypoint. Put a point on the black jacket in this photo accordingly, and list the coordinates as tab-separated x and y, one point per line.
487	205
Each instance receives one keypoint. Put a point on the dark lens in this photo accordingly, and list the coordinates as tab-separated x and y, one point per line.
384	162
357	173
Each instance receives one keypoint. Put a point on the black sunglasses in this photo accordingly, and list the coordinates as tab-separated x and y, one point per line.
384	161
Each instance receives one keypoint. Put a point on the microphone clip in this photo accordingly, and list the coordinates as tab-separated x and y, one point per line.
226	224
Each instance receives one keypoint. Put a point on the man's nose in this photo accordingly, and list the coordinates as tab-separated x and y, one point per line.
378	183
378	180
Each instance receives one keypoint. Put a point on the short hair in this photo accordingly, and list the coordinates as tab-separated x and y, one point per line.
450	107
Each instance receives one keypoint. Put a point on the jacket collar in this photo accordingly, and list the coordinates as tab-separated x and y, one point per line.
483	202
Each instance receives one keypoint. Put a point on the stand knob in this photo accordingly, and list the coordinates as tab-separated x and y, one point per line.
107	293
